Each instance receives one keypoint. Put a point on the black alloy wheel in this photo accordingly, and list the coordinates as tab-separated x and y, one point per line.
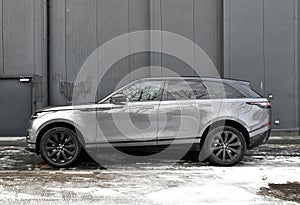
60	147
225	146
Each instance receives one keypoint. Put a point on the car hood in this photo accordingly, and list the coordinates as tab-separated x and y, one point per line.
66	108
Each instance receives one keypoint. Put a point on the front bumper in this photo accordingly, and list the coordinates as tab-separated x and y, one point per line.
30	146
259	139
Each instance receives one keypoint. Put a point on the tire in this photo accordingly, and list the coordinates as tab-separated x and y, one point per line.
60	147
224	146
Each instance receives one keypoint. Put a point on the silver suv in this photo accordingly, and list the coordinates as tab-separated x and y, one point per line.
219	117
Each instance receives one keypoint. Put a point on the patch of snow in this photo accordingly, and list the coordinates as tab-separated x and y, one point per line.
94	191
71	172
11	139
234	185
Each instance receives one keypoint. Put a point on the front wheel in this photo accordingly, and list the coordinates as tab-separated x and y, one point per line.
60	147
225	146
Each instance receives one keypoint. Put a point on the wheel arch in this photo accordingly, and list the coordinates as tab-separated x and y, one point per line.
50	125
231	123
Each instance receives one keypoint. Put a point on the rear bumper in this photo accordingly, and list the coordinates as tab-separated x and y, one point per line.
259	139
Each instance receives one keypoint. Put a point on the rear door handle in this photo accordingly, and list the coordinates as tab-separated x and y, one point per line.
202	106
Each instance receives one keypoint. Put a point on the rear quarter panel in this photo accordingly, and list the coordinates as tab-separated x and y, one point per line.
251	117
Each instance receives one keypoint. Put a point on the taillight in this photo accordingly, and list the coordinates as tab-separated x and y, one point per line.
261	104
267	124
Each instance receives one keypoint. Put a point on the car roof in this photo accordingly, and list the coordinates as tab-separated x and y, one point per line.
226	80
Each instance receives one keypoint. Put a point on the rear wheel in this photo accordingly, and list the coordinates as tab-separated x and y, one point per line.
60	147
225	146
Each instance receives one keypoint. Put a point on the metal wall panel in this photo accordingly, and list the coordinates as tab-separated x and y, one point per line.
23	51
155	24
40	85
261	45
178	17
38	37
208	29
298	62
113	20
18	37
1	40
72	29
139	20
15	107
57	49
198	20
81	37
244	40
280	42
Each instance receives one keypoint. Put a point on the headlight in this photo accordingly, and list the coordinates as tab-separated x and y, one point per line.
37	115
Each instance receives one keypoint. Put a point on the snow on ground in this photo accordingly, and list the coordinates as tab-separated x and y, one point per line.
227	186
10	139
149	183
139	185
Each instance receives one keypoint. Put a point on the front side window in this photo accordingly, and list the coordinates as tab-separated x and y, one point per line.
142	91
185	90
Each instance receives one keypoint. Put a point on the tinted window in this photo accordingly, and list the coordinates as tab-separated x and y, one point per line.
142	91
185	90
222	90
245	90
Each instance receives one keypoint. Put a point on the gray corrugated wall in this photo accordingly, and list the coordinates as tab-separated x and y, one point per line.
40	76
77	27
1	39
298	110
281	56
198	20
261	45
244	40
57	51
22	44
18	37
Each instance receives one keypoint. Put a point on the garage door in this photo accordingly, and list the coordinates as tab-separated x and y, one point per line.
15	106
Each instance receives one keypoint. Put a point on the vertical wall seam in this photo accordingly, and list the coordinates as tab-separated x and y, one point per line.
296	52
161	41
128	31
46	46
194	36
97	44
229	39
97	26
222	35
33	87
264	50
150	28
66	66
2	31
34	38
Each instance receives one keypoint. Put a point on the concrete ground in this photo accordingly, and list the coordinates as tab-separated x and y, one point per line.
26	179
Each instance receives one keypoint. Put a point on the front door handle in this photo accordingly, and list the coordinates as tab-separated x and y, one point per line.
147	107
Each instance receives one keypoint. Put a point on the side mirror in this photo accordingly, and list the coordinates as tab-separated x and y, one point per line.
118	99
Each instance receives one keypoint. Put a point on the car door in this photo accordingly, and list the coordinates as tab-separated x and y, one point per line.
134	122
180	113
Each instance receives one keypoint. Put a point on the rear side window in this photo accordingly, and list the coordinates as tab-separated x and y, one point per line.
222	90
185	90
245	90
